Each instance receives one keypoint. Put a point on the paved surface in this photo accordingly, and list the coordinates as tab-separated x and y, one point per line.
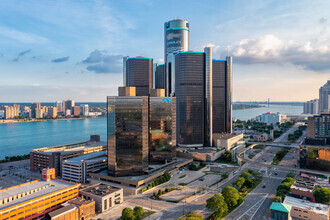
290	159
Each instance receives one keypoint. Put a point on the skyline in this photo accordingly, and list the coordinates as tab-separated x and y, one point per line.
59	53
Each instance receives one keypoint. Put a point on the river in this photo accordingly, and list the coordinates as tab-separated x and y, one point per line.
21	138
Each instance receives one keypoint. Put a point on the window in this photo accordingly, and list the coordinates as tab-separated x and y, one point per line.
105	204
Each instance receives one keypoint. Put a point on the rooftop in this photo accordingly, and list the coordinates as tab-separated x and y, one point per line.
226	136
100	189
67	148
280	207
43	188
62	211
318	208
92	157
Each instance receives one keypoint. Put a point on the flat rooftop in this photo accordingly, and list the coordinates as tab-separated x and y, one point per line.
92	157
46	187
318	208
67	148
100	189
225	136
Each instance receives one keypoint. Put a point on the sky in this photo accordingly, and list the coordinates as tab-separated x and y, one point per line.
55	50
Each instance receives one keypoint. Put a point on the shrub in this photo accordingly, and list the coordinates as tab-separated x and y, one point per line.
127	214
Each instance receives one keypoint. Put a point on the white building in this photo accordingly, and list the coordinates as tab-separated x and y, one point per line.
84	109
311	107
271	118
77	169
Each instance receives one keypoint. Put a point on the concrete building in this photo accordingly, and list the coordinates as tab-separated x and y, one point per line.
76	169
271	118
324	97
303	209
75	110
59	106
157	92
104	195
227	141
176	39
52	157
68	105
11	111
52	112
127	91
2	113
319	127
33	200
76	208
34	107
39	113
84	109
311	107
26	112
139	74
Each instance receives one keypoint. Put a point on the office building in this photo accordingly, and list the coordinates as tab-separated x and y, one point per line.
126	91
124	71
139	74
318	129
84	109
68	105
311	107
52	112
157	92
75	110
33	200
227	140
77	208
176	39
324	97
59	106
53	157
271	118
141	131
34	107
11	111
160	76
204	97
76	169
104	195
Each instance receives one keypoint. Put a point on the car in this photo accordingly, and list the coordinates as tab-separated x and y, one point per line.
276	173
202	179
264	186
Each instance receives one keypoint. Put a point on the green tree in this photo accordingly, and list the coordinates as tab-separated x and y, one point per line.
322	195
230	194
138	212
239	182
127	214
277	199
218	204
246	175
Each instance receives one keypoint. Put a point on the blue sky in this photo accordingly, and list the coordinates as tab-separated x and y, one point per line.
54	50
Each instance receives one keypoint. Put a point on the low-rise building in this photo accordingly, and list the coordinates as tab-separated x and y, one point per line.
33	200
303	209
271	118
104	195
226	140
52	157
76	169
280	211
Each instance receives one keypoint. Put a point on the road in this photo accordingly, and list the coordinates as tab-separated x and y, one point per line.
284	137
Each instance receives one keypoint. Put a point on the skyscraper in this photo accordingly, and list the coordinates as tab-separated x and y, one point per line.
34	107
204	97
59	106
311	107
139	74
67	105
324	97
124	71
160	77
176	40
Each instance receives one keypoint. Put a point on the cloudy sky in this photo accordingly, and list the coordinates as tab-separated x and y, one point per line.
54	50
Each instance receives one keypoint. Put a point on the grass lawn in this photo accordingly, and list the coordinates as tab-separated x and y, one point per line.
183	176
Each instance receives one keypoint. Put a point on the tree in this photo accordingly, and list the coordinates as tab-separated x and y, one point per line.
218	204
239	182
322	195
277	199
138	212
127	214
230	194
246	175
224	175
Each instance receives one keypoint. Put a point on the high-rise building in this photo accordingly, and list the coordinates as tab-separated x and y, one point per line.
68	105
160	77
84	109
124	71
52	112
141	130
324	97
39	113
204	103
75	110
34	107
139	74
11	111
311	107
176	39
319	127
59	106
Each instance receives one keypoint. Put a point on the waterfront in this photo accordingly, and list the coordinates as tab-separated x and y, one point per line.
21	138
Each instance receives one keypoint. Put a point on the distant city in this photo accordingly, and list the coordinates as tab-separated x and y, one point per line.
173	149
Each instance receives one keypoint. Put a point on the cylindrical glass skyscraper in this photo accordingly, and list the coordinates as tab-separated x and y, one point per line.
176	40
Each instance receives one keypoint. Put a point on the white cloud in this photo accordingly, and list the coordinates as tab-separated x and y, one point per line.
21	36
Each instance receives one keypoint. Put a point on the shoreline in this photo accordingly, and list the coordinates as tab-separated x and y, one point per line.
15	121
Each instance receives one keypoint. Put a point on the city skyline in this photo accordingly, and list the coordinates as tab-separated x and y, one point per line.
58	52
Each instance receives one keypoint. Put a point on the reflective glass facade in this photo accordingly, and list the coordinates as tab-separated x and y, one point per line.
128	139
160	77
190	98
162	119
